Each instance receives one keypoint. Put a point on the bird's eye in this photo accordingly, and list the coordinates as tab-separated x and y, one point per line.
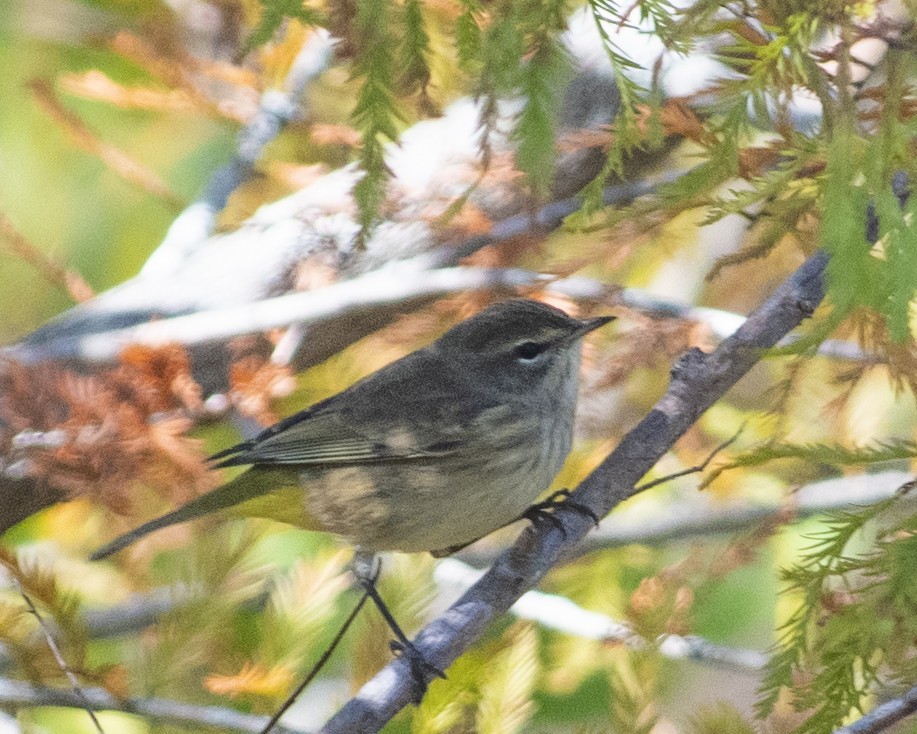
528	351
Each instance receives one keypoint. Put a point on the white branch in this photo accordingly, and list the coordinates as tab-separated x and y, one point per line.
563	615
403	283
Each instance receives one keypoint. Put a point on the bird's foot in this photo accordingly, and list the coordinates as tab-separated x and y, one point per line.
543	512
422	670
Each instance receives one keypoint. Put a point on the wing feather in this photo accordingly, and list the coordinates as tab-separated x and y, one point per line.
382	418
318	439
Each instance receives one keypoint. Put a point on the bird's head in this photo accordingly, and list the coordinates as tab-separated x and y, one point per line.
519	346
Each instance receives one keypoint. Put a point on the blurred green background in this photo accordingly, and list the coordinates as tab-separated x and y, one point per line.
64	200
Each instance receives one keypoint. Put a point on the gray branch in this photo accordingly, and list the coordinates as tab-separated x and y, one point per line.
884	715
452	575
698	380
701	519
16	694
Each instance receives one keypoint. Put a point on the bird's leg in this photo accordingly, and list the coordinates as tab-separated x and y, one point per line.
366	569
543	512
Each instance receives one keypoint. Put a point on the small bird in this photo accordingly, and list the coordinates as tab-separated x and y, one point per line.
430	453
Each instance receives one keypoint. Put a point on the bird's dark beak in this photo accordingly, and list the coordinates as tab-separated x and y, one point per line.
593	324
585	327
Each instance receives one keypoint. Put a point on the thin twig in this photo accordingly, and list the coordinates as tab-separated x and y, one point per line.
58	656
18	694
319	664
404	284
77	288
701	518
117	160
692	470
626	14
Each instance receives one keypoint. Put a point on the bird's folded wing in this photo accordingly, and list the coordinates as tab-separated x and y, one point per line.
326	439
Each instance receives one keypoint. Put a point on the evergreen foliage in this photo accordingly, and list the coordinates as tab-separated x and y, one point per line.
831	455
854	623
846	165
375	114
273	14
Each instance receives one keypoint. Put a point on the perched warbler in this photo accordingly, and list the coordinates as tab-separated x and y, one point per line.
430	453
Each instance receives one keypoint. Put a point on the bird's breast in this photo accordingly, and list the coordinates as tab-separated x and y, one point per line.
436	502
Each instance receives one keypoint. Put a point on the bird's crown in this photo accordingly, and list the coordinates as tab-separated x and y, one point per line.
518	323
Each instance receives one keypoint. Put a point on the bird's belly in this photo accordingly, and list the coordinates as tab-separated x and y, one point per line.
429	506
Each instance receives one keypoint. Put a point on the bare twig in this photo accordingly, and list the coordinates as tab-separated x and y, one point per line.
691	470
136	613
698	380
143	609
116	159
319	664
58	656
884	715
702	518
77	288
17	694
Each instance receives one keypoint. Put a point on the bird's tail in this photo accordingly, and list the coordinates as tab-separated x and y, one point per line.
248	485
